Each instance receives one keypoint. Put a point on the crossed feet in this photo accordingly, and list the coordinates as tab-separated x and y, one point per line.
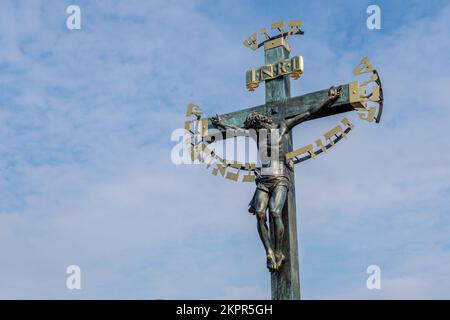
274	260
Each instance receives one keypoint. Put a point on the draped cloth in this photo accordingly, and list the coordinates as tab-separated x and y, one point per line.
267	184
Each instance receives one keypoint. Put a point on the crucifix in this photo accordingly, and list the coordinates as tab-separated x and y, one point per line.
274	198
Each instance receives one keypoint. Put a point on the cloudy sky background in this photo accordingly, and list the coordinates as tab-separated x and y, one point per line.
86	176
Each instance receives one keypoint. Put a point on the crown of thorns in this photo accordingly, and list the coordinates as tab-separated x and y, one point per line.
256	118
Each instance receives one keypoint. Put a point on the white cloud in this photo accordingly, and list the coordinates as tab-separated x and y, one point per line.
86	176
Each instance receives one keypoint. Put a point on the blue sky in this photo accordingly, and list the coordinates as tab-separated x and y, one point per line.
86	176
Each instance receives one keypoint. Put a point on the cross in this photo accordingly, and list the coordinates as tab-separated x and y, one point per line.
278	68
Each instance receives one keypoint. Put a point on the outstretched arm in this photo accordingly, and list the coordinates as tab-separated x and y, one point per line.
219	124
292	122
333	95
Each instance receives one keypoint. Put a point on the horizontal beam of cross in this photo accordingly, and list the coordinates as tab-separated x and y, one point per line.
292	107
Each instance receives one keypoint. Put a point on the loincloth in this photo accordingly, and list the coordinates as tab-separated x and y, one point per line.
267	184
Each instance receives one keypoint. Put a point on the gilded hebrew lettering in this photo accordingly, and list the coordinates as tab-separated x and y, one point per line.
197	151
252	42
234	176
347	123
294	26
197	128
219	168
193	109
320	145
364	66
367	113
373	78
249	177
279	26
264	33
305	149
293	29
333	132
370	116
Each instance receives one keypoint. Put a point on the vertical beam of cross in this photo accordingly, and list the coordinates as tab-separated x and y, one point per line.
286	281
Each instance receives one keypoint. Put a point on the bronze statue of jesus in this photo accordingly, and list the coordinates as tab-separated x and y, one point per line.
273	182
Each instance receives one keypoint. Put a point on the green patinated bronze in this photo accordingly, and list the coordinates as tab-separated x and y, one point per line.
285	282
288	107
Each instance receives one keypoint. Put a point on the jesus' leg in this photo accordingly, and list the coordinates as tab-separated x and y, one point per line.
276	204
261	201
